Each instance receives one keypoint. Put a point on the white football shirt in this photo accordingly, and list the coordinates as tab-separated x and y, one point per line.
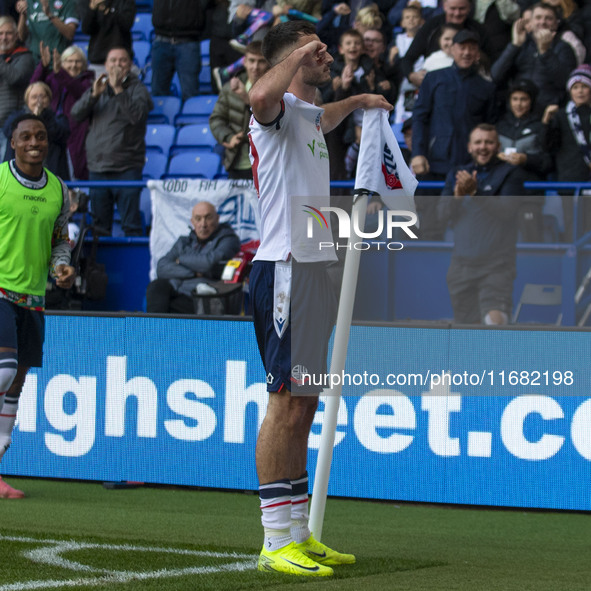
291	174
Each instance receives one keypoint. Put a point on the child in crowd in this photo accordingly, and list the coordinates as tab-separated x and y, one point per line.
412	21
350	71
442	58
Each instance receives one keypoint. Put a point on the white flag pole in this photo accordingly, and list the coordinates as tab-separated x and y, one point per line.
337	367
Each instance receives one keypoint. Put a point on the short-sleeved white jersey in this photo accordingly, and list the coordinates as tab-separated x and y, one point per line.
290	167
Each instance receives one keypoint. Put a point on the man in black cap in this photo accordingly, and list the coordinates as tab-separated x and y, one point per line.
451	102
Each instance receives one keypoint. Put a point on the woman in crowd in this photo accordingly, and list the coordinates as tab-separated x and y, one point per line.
68	79
38	98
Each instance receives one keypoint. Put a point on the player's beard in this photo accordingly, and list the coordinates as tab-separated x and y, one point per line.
316	78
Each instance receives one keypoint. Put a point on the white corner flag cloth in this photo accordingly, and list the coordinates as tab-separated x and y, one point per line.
381	167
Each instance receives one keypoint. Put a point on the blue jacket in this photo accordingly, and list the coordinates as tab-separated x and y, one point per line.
485	225
450	104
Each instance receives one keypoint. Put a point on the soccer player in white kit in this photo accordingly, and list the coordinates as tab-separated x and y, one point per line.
290	160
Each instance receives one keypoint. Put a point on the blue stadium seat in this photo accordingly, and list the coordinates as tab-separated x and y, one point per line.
155	165
80	38
196	109
397	129
196	164
165	109
175	85
146	206
141	53
142	28
83	45
190	137
205	80
205	52
159	137
146	76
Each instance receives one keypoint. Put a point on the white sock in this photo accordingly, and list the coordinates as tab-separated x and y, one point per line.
7	420
300	531
276	513
276	538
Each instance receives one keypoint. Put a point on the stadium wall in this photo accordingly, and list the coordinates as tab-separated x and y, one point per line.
446	415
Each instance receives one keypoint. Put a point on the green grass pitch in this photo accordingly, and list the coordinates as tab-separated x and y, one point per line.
80	536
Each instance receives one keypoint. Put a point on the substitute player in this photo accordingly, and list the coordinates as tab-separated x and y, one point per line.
34	211
289	159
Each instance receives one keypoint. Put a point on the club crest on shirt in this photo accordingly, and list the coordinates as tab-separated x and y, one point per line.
389	171
318	117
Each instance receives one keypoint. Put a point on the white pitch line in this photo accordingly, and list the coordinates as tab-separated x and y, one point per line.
51	556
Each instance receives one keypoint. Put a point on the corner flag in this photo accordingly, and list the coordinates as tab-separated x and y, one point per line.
380	169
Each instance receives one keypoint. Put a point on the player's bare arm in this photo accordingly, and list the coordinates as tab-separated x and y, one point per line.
334	113
267	93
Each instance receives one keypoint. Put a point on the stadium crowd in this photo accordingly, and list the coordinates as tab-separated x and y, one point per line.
446	65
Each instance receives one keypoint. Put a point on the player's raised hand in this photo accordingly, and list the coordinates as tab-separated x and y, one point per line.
315	53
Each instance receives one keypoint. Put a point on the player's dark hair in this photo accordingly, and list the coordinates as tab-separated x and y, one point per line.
24	117
285	35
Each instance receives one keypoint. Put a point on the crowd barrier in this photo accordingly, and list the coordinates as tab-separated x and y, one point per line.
413	279
438	415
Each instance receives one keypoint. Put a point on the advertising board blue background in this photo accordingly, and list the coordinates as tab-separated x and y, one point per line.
179	401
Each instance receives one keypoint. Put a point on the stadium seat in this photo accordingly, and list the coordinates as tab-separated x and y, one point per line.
83	45
142	28
80	38
534	294
196	164
175	85
196	109
551	228
205	52
141	53
165	109
397	129
190	137
155	165
205	80
160	137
